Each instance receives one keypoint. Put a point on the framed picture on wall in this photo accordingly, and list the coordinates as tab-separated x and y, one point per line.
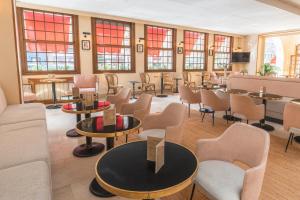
139	48
85	45
180	50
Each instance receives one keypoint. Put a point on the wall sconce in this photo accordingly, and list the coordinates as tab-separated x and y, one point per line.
180	43
141	39
85	34
211	50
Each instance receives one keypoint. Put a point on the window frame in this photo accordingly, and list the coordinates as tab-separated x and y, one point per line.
205	52
94	47
231	50
174	36
22	44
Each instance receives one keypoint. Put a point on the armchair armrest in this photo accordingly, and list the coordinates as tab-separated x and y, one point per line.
153	121
127	108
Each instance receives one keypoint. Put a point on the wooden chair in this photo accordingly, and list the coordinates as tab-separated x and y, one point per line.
146	85
187	80
112	83
168	81
28	93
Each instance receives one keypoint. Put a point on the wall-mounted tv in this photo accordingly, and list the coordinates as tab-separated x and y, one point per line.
240	57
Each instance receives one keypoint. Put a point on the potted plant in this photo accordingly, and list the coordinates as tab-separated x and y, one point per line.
267	69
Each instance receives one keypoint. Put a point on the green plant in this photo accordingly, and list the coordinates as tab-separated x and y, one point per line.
267	68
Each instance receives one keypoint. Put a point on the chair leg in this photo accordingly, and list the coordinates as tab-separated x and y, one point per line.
193	190
189	110
247	121
126	138
292	138
287	144
203	116
213	118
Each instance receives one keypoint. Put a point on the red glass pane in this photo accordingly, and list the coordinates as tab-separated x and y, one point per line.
60	48
100	40
67	19
29	25
49	26
28	15
41	47
59	28
39	26
67	28
114	41
51	48
59	37
49	17
50	36
106	32
58	18
38	16
100	50
40	35
29	35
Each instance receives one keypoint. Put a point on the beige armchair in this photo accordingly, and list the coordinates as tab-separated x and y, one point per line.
120	98
86	83
188	96
245	107
139	109
219	176
214	102
168	81
112	83
146	85
187	80
166	124
291	121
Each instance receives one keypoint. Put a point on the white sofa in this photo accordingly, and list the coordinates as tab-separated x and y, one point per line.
24	156
287	87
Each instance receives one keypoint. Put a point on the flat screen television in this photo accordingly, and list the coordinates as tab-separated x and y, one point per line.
240	57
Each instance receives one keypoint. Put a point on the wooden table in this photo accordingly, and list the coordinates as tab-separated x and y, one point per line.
125	171
265	97
53	82
77	108
94	127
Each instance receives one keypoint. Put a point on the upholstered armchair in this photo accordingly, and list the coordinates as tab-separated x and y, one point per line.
214	102
188	96
168	81
166	124
112	81
291	121
244	107
219	176
139	109
120	98
86	83
146	85
187	80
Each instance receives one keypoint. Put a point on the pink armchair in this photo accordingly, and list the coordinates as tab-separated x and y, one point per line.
86	83
220	177
188	96
166	124
291	121
120	98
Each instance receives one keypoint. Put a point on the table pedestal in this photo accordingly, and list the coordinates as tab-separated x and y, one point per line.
176	82
133	90
54	105
262	123
89	149
95	188
162	88
72	132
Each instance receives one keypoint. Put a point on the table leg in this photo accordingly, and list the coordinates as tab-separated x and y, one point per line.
72	132
133	91
262	123
231	118
161	88
88	149
176	89
54	105
95	188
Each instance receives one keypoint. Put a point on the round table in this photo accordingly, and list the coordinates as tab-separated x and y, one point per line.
125	171
53	82
233	91
94	127
77	108
265	97
133	88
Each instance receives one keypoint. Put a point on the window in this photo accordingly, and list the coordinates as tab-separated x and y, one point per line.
48	42
113	46
297	60
160	48
274	54
222	51
194	54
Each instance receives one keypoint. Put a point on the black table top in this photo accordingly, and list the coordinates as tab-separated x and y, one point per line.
77	107
125	168
94	126
266	96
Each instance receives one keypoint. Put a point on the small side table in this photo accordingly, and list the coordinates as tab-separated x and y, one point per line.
176	82
133	88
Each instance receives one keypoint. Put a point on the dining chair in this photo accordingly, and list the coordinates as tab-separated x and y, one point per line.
112	81
219	174
146	84
167	124
213	102
87	83
187	80
291	121
188	96
29	95
244	107
168	81
120	98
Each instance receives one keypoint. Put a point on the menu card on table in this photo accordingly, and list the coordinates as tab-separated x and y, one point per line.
156	152
109	116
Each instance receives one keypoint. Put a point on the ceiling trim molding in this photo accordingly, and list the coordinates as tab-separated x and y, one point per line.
284	5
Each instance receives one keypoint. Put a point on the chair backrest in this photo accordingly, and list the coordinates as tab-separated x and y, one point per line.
145	78
242	104
186	77
174	114
291	116
85	81
124	93
112	80
3	102
210	99
186	94
167	77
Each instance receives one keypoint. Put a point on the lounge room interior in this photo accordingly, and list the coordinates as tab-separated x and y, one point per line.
169	99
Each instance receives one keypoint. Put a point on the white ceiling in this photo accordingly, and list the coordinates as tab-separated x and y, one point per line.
233	16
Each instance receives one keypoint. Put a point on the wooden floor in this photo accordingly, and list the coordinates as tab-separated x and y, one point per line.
282	178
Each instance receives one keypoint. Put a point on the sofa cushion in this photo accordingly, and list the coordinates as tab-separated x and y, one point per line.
152	132
23	146
22	112
29	181
10	127
221	180
3	102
